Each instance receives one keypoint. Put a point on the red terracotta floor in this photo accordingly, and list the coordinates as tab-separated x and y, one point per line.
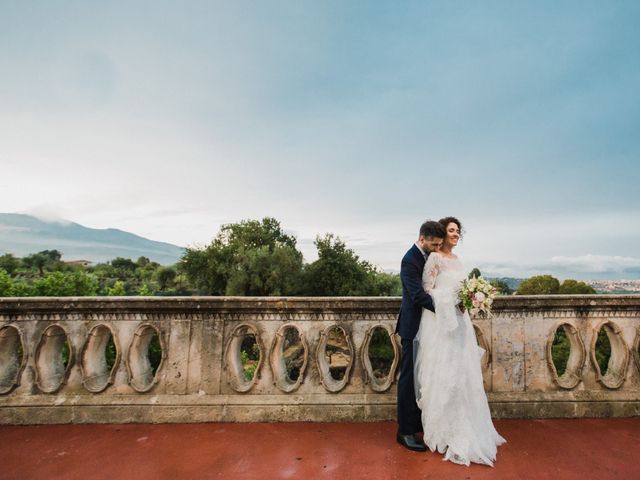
536	449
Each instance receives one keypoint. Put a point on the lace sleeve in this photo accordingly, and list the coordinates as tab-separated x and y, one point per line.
444	299
430	273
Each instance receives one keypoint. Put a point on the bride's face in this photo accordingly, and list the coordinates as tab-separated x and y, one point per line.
453	235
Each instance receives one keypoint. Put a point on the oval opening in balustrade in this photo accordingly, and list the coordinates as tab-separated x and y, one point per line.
99	359
337	353
54	357
603	350
334	357
249	356
243	358
146	354
380	355
566	355
560	350
288	358
610	355
11	358
293	353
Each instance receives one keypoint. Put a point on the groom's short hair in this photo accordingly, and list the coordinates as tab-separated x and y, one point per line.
432	229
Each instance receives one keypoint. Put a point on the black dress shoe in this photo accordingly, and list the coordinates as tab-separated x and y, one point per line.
411	442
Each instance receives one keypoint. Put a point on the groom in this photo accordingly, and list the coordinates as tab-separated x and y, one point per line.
414	299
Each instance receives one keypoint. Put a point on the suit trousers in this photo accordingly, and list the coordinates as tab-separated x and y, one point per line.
409	415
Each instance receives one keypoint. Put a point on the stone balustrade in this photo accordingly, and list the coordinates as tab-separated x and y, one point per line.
54	369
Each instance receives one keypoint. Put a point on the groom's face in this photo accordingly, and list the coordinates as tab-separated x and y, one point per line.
430	244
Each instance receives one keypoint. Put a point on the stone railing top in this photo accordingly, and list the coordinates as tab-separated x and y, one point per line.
198	303
221	304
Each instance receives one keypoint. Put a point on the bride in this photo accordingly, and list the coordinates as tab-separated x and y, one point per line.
448	375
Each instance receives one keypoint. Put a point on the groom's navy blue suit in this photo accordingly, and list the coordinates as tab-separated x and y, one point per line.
414	299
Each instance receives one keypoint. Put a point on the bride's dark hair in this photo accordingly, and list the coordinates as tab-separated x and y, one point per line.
447	220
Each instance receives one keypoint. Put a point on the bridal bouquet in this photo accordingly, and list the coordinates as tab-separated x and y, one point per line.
476	294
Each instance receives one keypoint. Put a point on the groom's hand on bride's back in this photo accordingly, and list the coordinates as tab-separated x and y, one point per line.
430	305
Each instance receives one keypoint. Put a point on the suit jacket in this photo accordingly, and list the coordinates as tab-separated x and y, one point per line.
414	298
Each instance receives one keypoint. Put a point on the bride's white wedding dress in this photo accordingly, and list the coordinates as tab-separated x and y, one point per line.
448	374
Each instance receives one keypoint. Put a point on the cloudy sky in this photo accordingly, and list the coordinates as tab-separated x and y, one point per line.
361	118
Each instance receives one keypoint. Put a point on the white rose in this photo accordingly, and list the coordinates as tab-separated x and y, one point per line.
480	296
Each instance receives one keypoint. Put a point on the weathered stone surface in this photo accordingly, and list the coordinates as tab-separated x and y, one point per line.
194	384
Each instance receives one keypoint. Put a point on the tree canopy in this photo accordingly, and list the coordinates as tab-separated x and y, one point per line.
247	258
539	285
549	285
475	273
338	271
574	287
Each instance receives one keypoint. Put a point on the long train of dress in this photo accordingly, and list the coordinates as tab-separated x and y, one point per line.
448	373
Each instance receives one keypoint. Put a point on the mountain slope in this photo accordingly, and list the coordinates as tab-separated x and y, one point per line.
25	234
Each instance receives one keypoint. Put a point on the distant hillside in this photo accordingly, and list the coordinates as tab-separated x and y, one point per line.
512	283
22	235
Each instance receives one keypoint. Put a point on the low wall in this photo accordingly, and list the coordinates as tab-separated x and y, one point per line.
201	375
